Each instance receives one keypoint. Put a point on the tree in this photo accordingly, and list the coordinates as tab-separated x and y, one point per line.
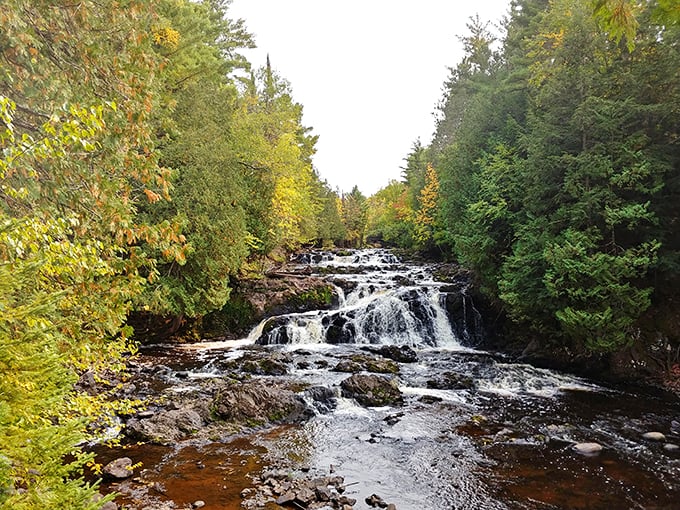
330	230
425	220
76	96
354	209
389	217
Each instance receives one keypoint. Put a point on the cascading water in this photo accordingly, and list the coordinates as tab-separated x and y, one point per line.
388	304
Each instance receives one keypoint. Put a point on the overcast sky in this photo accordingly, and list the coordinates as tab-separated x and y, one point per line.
369	73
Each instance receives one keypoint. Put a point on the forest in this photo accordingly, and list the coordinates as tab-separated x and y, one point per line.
554	174
146	167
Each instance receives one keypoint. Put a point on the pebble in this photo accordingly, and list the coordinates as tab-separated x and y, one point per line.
198	504
587	448
670	447
654	436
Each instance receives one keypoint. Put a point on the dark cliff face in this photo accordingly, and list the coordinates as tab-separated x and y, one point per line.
255	300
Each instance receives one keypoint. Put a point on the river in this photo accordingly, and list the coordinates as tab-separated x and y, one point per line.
475	429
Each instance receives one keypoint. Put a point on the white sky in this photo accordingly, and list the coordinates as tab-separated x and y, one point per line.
368	73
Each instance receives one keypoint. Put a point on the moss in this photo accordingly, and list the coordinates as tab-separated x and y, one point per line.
319	297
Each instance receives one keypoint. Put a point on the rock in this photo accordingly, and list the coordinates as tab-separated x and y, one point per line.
587	448
118	469
376	501
323	493
286	498
324	398
393	419
371	390
198	504
670	447
339	328
348	366
256	403
275	474
391	506
166	426
452	381
109	505
361	362
265	365
654	436
304	496
399	353
87	383
430	399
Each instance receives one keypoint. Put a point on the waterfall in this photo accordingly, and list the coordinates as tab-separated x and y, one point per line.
389	303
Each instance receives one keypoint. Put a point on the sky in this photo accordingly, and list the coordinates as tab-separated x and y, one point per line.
369	73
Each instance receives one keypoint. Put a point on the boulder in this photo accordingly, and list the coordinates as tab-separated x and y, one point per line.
371	390
257	402
165	427
399	353
362	362
324	398
118	469
452	381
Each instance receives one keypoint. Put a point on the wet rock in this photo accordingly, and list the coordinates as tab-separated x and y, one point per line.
430	399
452	381
324	398
393	419
305	496
118	469
166	426
255	403
371	390
587	448
286	499
339	328
323	493
399	353
654	436
376	501
363	363
265	365
275	474
348	366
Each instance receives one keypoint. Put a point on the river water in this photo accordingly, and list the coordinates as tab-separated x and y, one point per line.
475	431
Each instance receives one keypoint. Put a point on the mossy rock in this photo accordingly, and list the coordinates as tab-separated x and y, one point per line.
372	390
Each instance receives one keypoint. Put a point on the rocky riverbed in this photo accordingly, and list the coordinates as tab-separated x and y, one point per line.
400	414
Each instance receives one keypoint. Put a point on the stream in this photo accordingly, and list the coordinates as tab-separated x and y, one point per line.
473	430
